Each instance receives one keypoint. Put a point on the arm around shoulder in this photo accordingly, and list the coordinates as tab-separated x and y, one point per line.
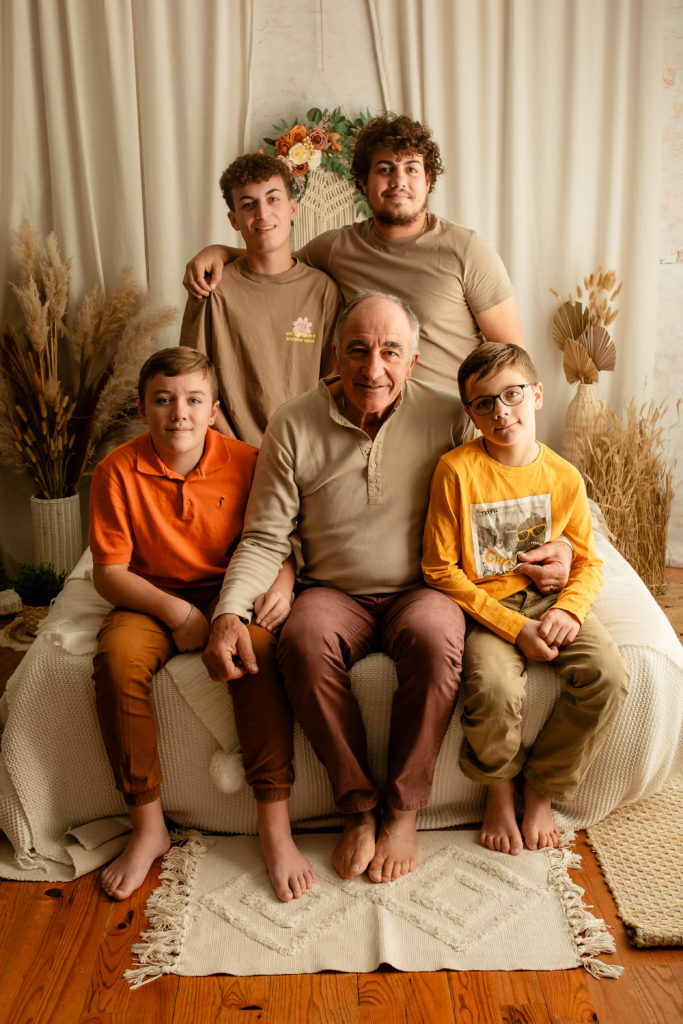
204	271
501	323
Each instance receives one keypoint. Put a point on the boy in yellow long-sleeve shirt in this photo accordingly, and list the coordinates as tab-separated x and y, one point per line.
491	499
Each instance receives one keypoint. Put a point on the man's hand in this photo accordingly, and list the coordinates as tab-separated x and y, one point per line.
271	609
548	566
558	627
531	643
229	653
193	633
204	271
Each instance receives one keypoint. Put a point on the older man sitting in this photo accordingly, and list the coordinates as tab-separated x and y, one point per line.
348	466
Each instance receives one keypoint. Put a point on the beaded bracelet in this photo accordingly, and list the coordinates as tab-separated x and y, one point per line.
185	620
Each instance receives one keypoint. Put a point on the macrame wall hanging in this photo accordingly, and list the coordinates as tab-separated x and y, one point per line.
317	149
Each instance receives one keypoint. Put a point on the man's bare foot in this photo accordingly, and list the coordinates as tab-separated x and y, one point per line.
291	874
149	840
499	830
396	849
538	824
355	849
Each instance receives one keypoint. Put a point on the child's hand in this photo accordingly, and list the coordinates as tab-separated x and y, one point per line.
558	627
271	609
531	643
193	633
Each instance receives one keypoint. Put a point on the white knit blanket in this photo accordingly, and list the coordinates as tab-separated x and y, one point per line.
56	786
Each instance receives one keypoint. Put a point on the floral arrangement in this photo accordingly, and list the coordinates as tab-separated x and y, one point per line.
65	384
580	328
321	139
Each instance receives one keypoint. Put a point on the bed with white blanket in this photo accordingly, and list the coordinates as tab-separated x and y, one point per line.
61	814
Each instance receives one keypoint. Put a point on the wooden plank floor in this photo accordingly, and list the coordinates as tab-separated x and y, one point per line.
64	947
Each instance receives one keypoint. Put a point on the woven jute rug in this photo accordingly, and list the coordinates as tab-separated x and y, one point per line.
463	908
640	851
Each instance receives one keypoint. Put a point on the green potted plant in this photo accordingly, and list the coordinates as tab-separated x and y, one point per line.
37	585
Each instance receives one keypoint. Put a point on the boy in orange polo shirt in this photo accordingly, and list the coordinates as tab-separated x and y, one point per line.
166	512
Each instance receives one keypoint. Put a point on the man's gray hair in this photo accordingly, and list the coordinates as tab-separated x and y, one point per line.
357	299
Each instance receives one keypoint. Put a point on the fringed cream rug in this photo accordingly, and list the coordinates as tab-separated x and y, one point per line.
640	851
463	908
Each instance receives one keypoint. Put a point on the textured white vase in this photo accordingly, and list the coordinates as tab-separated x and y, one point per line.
57	531
580	420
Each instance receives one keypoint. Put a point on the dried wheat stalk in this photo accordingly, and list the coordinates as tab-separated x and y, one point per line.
63	386
626	473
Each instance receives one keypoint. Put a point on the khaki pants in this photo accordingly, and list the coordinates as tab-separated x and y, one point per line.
494	678
131	648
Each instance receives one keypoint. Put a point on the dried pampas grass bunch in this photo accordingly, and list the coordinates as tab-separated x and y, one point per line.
626	473
580	327
64	384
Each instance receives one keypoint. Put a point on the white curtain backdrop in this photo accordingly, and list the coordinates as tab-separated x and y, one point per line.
117	119
119	115
547	113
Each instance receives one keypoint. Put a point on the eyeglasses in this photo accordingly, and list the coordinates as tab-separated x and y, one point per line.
484	404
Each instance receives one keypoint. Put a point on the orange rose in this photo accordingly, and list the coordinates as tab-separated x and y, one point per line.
299	170
297	134
334	136
285	142
282	145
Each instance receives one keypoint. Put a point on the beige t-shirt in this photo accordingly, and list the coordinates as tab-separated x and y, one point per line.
358	504
268	336
446	275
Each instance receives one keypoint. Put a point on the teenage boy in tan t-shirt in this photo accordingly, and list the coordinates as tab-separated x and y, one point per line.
268	325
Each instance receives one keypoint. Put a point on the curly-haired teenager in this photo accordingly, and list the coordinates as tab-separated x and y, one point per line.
450	275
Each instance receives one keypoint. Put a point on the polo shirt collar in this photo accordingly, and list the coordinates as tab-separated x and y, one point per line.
215	456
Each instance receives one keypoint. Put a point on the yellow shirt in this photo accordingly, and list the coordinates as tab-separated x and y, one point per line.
482	514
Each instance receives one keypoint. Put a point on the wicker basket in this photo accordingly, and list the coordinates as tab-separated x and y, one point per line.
57	531
33	615
580	421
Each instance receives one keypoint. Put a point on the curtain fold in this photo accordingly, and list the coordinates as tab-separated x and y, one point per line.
118	118
548	118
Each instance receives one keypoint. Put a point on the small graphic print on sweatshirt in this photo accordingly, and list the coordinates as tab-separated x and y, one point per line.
302	331
501	529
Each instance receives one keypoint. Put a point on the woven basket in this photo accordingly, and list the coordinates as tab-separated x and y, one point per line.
33	615
580	420
57	531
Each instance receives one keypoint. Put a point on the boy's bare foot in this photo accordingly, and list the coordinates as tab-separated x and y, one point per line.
355	849
396	849
150	839
538	824
499	830
291	874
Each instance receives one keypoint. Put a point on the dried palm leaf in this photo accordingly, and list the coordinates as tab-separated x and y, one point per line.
577	364
599	346
570	321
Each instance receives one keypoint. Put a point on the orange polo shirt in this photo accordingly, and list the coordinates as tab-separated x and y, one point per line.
177	532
